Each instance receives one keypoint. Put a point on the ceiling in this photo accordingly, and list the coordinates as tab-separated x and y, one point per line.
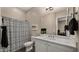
42	10
55	9
25	8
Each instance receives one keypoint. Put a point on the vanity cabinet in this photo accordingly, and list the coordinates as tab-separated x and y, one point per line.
40	46
44	46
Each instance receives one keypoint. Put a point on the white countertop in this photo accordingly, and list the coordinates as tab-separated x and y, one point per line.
58	40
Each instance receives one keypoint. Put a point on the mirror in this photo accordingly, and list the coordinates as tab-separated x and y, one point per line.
62	25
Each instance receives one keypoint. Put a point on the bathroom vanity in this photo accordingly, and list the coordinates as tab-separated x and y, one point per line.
54	43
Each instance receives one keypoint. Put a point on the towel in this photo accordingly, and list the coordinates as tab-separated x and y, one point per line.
73	26
4	39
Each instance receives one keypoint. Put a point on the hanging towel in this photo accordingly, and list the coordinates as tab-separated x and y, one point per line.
4	40
73	26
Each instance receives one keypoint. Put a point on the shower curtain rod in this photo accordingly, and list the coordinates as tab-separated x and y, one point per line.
14	18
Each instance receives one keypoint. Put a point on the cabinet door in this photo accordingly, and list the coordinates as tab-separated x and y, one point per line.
40	46
59	48
52	48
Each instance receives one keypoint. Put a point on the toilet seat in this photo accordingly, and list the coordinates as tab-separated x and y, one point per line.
28	46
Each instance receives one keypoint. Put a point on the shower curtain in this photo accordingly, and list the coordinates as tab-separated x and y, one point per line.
18	33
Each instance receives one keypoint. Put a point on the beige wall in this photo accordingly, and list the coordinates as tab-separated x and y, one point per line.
48	21
33	16
13	12
61	13
0	11
43	21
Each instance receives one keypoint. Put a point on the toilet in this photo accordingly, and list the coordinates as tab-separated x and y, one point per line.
28	46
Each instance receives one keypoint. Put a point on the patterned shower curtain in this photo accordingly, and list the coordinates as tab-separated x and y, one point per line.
18	33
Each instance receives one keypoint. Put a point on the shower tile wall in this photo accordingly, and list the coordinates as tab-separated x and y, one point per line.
18	33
